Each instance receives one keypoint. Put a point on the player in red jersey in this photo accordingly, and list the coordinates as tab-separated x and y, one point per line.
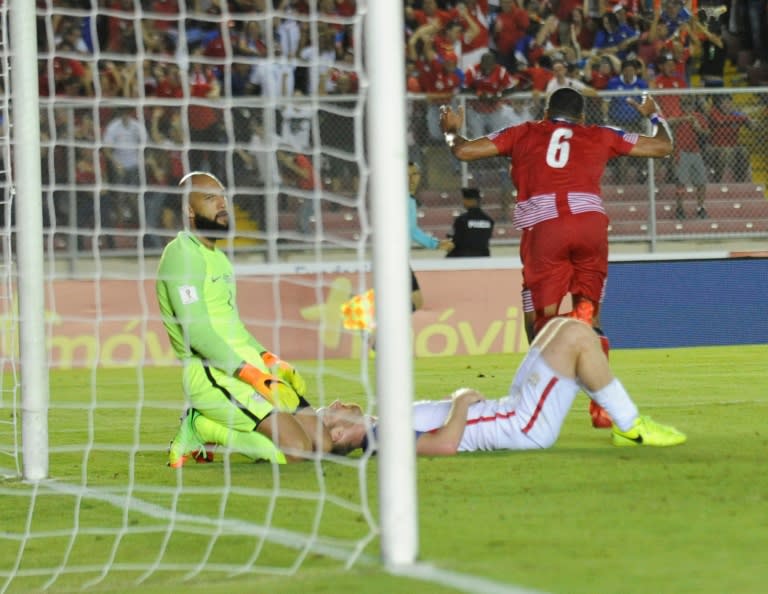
556	165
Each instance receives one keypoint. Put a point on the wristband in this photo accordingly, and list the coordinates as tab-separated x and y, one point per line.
659	122
450	138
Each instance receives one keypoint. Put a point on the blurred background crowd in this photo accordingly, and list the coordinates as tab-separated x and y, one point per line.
98	57
133	48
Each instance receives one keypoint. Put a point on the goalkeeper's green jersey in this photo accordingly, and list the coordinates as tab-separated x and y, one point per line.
197	295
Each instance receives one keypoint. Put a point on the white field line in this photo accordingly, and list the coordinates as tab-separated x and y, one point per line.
459	582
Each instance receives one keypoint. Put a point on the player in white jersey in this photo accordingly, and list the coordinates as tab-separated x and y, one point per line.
565	357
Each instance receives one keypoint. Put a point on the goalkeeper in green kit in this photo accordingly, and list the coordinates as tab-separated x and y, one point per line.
240	395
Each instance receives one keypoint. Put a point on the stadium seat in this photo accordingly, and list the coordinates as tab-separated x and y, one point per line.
733	208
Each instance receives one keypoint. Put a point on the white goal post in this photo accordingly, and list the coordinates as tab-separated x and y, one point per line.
388	155
25	132
31	267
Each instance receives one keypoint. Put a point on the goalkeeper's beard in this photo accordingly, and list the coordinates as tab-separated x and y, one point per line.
207	225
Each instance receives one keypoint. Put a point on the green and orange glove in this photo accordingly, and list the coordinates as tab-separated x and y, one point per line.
280	393
285	372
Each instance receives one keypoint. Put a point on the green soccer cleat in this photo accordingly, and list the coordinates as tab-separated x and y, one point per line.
647	432
187	445
249	443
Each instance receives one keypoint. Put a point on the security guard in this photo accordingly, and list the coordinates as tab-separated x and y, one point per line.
472	230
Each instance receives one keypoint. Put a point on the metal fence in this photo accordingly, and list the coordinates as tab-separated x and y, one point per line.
715	191
297	172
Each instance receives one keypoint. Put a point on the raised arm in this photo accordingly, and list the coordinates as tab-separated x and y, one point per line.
661	143
473	28
445	440
703	29
461	147
424	34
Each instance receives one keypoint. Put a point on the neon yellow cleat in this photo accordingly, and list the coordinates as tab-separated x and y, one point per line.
647	432
187	445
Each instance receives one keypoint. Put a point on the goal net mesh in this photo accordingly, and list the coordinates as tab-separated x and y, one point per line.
133	95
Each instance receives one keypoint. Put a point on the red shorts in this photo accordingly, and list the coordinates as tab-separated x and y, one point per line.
568	254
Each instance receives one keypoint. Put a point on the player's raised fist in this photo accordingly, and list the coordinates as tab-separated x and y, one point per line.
647	107
451	121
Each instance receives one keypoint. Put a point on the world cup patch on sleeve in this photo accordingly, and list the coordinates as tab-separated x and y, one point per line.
188	294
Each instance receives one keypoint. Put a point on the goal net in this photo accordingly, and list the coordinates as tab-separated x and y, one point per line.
271	98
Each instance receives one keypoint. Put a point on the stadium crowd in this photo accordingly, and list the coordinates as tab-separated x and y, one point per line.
214	50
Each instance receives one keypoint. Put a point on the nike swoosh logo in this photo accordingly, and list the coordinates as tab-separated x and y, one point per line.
215	278
638	439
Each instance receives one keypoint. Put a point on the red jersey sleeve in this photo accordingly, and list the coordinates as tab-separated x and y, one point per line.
618	141
506	139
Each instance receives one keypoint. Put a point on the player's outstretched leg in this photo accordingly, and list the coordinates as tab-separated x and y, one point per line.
630	427
187	444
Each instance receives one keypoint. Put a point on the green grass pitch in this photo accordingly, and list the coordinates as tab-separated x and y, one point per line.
582	517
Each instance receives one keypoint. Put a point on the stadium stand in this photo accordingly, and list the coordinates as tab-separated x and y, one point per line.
68	70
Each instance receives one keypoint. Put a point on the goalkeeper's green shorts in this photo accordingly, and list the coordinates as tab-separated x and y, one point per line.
226	399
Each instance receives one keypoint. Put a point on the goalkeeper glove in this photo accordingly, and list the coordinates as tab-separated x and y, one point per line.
286	372
278	392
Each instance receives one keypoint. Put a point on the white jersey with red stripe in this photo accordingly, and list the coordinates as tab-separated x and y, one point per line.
529	417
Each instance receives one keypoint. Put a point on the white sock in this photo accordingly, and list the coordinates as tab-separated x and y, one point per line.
615	400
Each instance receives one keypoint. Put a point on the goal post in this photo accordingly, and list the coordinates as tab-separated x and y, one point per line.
24	133
389	189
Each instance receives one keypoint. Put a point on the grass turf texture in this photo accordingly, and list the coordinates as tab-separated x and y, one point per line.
581	517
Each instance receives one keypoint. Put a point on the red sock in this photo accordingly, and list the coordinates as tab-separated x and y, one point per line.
583	310
600	418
